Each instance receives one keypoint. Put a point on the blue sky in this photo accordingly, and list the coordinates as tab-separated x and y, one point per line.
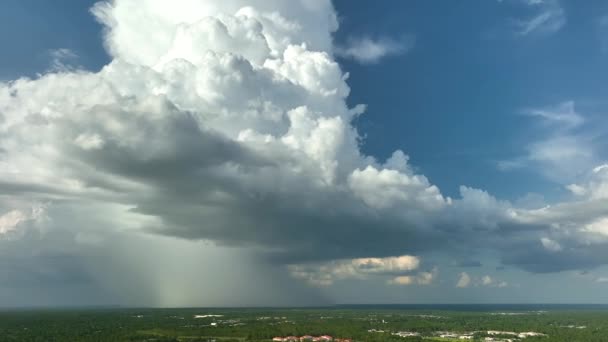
33	28
453	102
227	131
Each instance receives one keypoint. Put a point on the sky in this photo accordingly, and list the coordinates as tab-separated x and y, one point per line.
305	152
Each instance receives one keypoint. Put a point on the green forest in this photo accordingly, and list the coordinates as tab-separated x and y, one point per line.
371	325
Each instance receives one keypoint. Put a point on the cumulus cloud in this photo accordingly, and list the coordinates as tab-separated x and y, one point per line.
422	278
396	185
491	282
324	274
594	185
486	280
464	280
551	245
368	51
9	221
16	222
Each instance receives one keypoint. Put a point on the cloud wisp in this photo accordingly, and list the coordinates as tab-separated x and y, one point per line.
548	18
563	150
367	50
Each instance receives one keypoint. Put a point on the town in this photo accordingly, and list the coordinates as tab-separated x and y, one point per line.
324	338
